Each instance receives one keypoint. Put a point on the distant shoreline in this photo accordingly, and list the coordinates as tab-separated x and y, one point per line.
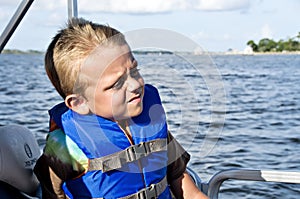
264	53
21	52
249	53
30	52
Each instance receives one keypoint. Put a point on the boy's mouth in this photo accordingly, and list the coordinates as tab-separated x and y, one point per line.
135	99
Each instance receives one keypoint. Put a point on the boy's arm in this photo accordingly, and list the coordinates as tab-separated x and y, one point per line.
184	187
181	183
62	160
177	159
50	183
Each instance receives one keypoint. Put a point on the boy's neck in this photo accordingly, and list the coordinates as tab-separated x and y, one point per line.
123	124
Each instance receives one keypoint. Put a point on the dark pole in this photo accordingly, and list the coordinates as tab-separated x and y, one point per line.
14	22
72	9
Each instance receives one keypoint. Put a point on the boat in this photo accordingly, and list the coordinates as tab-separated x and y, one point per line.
19	152
19	149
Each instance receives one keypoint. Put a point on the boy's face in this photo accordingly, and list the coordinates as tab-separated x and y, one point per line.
115	87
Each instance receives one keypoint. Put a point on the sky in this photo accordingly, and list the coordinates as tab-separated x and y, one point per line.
215	25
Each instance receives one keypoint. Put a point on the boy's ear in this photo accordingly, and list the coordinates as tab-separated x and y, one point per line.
77	103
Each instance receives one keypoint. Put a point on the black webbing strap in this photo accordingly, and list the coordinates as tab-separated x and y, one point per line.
130	154
151	192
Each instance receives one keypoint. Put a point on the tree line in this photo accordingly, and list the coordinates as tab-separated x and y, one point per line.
269	45
16	51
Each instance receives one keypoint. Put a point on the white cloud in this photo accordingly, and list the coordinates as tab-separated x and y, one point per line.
159	6
222	5
50	5
36	5
266	32
128	6
7	9
9	2
212	36
4	14
131	6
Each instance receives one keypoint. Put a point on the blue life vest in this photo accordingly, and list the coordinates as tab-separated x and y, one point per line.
98	137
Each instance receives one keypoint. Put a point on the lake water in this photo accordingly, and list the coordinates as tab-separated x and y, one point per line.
228	111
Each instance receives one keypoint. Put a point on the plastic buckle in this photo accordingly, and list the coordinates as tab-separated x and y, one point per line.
149	193
140	150
136	152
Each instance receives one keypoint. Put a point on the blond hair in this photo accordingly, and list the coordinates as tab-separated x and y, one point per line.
70	47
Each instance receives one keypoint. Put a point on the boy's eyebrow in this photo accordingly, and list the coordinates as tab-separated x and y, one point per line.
118	74
113	77
134	63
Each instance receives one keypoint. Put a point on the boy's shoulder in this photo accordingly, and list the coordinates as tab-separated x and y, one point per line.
60	146
56	113
56	144
150	88
152	92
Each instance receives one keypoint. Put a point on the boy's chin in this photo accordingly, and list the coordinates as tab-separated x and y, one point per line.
130	114
136	113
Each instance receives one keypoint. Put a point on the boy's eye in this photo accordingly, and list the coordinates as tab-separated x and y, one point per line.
134	72
119	83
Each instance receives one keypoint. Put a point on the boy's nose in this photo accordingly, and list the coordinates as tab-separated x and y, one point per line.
133	84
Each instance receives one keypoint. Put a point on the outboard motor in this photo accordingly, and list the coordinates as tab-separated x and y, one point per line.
19	152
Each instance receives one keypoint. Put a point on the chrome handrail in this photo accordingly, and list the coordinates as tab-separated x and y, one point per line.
212	188
14	22
72	9
20	13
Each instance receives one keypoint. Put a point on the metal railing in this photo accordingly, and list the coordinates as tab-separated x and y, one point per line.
72	9
14	22
20	13
212	188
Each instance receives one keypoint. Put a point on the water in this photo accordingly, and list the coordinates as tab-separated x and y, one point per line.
262	113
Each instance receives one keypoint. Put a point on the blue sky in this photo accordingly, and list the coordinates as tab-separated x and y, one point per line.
215	25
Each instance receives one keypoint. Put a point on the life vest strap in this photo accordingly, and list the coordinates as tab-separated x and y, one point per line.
130	154
151	192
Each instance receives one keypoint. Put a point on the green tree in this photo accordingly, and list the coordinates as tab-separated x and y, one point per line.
253	45
267	45
280	45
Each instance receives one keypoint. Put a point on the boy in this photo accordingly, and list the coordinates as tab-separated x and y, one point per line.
109	139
